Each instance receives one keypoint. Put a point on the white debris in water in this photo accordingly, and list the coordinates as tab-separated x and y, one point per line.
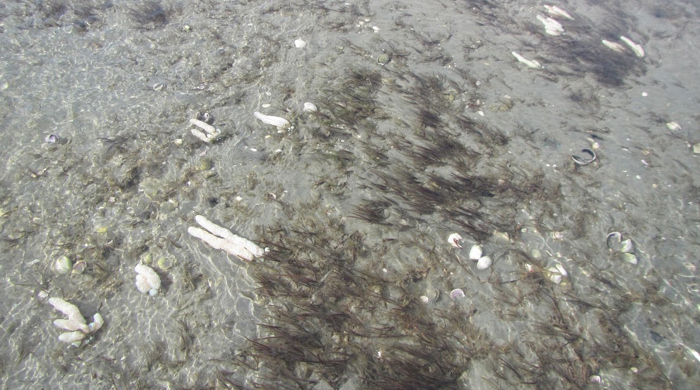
476	252
210	133
554	11
75	324
551	26
531	63
483	263
614	46
147	280
310	107
276	121
454	239
636	48
221	238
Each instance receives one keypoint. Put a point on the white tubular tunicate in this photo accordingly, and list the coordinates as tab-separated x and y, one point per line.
147	280
71	325
97	323
68	309
221	244
71	337
276	121
237	241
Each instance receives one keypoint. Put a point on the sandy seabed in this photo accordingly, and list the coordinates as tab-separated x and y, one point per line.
427	125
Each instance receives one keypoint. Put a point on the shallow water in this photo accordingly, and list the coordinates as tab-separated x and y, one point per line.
354	202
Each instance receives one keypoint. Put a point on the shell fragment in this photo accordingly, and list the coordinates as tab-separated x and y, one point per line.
556	273
483	263
454	239
457	293
630	258
673	126
310	107
476	252
623	249
584	161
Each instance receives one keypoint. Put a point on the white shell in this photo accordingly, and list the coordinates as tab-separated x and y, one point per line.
454	239
457	293
483	262
310	107
673	126
630	258
424	299
272	120
62	265
299	43
556	273
561	270
626	246
147	280
476	252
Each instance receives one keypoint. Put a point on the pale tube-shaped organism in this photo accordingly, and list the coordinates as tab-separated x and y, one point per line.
553	10
531	63
221	244
276	121
72	325
210	133
613	45
72	337
68	309
223	239
229	236
636	48
147	280
97	323
75	322
551	26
